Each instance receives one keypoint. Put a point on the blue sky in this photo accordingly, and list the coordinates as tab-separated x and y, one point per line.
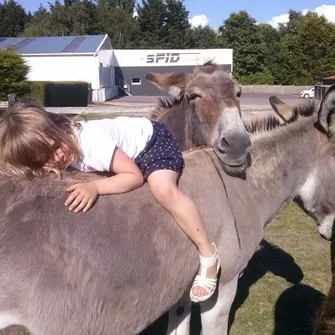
214	12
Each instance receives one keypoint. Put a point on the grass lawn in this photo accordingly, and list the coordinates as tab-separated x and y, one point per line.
283	285
285	281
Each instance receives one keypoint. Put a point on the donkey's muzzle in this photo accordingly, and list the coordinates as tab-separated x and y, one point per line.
233	148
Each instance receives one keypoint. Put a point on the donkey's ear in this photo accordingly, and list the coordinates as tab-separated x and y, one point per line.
285	112
327	110
174	82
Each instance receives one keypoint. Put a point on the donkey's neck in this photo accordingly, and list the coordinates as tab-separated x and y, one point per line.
184	126
282	160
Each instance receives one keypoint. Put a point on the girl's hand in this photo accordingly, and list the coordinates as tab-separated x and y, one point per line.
82	196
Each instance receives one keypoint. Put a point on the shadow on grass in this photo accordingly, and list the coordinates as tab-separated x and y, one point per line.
269	258
159	327
296	309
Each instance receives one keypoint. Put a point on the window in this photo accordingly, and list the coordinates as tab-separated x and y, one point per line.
136	81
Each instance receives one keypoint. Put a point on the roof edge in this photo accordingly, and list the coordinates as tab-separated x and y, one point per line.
102	42
61	54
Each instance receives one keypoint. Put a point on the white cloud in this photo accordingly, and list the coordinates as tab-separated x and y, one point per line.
328	11
199	20
274	22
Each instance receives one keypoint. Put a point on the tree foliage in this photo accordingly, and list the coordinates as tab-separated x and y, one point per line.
13	74
300	52
202	38
310	47
12	18
239	32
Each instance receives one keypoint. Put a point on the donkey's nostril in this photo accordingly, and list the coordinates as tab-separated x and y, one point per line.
223	143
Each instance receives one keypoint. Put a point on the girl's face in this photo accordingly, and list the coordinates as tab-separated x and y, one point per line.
61	157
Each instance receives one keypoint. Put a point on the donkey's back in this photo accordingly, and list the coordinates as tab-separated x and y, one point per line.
112	270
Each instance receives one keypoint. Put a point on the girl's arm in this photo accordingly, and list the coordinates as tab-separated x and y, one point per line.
128	177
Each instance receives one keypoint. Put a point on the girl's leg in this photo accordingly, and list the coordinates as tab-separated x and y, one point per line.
163	185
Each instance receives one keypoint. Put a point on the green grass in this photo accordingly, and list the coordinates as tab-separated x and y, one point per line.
284	283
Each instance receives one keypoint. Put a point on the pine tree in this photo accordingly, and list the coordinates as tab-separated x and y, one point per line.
12	19
151	20
176	27
115	18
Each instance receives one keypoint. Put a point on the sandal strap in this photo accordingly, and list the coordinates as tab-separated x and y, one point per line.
207	262
208	284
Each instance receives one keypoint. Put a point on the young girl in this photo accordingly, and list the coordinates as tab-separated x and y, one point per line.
34	142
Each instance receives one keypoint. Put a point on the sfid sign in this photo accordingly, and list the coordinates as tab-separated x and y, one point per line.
163	58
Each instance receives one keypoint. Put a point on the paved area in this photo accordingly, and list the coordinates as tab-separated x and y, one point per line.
251	104
246	99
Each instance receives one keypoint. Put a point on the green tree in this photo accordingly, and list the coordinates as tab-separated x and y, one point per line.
310	44
202	38
128	5
74	17
176	26
240	33
39	24
117	21
275	57
12	18
151	19
13	74
289	27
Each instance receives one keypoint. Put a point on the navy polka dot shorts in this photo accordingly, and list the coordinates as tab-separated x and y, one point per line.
161	152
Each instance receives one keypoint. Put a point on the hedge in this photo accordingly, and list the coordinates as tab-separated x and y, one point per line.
58	94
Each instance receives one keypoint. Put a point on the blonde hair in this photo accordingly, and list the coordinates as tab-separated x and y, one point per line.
24	149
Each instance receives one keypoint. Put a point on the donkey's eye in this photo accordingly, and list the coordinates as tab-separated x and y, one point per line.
193	96
238	94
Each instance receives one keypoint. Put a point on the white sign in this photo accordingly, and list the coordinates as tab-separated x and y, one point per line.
140	58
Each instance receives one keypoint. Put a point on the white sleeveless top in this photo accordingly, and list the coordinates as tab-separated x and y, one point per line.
99	138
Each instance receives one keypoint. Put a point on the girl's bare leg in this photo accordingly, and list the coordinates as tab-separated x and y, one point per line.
163	185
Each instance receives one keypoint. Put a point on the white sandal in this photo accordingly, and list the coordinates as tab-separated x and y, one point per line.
209	284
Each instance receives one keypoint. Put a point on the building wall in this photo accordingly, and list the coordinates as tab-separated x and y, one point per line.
94	69
107	89
144	87
132	65
62	68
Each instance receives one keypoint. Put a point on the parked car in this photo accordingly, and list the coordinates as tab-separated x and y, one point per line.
309	93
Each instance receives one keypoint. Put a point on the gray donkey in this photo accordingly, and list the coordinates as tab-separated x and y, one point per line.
116	272
291	160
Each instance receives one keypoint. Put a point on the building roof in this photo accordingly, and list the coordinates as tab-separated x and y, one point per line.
53	44
331	77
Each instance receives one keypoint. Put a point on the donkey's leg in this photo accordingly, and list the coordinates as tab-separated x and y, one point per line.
215	312
179	319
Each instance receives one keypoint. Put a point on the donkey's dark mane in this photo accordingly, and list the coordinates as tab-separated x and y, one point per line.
162	107
273	122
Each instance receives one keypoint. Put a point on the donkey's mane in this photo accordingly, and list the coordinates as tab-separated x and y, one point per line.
162	107
272	122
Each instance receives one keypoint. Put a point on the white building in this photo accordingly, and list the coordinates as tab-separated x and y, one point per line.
109	72
69	58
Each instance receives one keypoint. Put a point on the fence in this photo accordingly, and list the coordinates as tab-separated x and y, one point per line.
273	89
320	91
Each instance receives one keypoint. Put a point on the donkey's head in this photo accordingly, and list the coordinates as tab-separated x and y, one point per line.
207	111
317	194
